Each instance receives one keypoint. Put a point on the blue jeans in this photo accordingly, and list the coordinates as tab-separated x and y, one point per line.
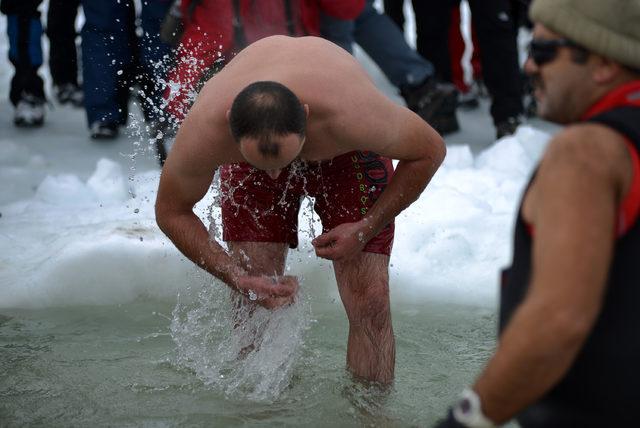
115	58
383	41
25	49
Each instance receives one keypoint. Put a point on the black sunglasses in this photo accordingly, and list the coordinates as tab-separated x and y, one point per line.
542	51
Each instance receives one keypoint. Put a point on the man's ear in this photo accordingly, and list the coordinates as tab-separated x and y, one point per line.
605	70
227	115
306	110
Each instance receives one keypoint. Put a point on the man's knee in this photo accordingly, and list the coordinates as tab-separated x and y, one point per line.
373	313
366	300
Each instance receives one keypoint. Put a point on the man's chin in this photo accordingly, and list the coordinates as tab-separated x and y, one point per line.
551	117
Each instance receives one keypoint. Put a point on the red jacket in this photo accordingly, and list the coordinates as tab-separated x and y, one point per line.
209	35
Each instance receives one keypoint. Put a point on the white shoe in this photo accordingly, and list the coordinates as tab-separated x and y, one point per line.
103	131
29	112
70	94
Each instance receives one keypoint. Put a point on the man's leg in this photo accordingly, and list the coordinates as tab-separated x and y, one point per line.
107	63
151	53
257	258
384	42
339	31
260	258
61	30
350	186
497	35
25	53
363	284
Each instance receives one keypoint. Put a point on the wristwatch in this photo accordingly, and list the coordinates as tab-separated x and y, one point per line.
468	411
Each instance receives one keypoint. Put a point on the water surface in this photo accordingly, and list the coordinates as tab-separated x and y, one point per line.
124	365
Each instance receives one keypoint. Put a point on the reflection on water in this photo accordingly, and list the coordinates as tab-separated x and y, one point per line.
136	364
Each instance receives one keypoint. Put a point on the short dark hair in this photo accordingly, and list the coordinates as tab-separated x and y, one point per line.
264	109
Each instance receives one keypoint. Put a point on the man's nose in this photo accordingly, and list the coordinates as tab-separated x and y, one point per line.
530	66
274	173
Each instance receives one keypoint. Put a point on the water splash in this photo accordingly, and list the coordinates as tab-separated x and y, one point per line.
240	350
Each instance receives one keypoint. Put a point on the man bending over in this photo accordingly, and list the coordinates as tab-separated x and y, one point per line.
290	117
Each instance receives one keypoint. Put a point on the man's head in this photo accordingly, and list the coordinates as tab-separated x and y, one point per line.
269	122
581	49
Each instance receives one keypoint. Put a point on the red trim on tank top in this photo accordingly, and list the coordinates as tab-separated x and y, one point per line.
627	95
630	206
629	210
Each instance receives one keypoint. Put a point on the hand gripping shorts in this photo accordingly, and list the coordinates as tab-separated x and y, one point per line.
256	208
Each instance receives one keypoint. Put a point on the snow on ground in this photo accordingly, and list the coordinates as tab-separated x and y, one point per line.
77	223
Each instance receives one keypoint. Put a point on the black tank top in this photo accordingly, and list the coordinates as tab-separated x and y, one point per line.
602	387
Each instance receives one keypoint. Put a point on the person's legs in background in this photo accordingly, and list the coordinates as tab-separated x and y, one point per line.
25	53
497	36
469	88
384	42
433	19
153	60
63	57
339	31
108	42
395	10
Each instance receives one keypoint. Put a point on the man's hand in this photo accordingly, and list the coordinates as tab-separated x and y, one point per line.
343	242
269	291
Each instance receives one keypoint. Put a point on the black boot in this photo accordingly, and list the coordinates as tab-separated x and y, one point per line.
435	102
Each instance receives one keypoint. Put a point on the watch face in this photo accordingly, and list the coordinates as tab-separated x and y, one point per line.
465	406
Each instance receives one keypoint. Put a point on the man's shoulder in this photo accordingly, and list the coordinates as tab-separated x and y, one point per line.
586	140
589	148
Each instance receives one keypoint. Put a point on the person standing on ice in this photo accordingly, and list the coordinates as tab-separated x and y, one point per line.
570	340
289	117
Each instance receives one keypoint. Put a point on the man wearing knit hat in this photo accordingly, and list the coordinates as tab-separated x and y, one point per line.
569	345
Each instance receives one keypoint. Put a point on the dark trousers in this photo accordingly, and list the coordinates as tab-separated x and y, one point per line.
61	30
115	58
497	36
25	48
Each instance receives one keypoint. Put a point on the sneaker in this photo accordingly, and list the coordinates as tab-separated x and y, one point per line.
69	93
507	127
29	112
435	102
104	131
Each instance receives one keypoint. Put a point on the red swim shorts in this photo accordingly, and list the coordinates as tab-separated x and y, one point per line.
256	208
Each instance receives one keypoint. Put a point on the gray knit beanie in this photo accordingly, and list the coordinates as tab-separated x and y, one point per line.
610	28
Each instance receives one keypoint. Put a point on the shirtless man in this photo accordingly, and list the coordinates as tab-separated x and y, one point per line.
288	117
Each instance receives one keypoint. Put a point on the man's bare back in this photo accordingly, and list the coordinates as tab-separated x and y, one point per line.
347	111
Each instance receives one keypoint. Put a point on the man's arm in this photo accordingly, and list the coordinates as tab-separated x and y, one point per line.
396	133
186	177
201	146
572	206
